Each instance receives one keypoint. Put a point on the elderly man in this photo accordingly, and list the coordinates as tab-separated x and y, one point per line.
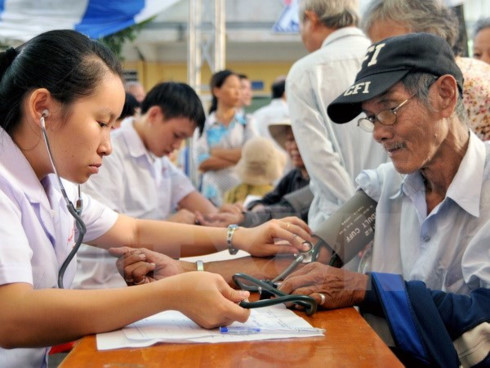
429	268
433	211
333	154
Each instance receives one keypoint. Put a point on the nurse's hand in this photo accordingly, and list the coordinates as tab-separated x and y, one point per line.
339	287
287	235
141	266
207	299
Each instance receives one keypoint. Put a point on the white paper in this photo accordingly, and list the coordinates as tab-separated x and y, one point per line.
174	327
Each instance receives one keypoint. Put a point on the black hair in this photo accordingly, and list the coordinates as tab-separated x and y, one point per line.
217	80
278	88
130	106
242	76
176	100
68	64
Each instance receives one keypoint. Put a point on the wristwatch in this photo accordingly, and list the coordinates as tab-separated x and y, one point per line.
229	237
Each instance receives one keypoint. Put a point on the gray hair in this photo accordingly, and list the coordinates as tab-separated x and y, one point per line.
481	24
419	84
332	13
430	16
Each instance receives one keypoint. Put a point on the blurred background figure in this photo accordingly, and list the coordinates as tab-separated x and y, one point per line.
481	40
259	167
387	18
136	89
219	148
334	155
246	94
291	196
276	110
130	109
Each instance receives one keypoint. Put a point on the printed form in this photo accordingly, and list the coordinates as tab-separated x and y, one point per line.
274	322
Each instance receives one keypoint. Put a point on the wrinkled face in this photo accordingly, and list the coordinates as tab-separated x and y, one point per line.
167	135
80	140
386	28
415	138
229	93
292	149
481	45
246	92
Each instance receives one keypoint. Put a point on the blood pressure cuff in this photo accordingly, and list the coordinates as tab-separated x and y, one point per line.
432	328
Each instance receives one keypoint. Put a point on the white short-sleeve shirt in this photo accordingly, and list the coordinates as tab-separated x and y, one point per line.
37	233
134	182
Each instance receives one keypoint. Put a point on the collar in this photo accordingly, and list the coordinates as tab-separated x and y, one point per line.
19	173
465	189
135	145
342	33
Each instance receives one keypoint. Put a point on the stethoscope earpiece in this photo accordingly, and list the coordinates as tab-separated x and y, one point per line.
44	114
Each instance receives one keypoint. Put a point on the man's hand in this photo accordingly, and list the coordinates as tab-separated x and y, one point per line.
341	288
222	219
232	208
183	216
141	266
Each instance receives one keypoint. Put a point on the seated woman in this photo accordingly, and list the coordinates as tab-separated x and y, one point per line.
260	165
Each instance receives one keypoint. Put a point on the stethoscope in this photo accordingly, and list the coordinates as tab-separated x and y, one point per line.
267	289
74	211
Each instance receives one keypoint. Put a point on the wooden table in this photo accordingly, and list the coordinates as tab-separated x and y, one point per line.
348	342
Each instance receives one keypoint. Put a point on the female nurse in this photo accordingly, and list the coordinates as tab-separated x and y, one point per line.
60	93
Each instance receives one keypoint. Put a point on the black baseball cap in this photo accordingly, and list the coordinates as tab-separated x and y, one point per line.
389	61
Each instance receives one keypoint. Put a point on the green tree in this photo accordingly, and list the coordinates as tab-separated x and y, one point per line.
116	40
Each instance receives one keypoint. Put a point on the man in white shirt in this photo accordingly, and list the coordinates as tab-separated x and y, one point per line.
138	179
276	111
333	154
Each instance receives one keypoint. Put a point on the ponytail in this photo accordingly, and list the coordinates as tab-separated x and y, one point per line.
6	59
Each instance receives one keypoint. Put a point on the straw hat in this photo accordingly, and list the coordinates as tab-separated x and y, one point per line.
278	132
261	163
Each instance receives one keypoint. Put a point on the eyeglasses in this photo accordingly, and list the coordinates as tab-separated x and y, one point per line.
385	117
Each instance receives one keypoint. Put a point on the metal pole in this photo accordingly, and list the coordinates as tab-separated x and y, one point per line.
194	45
193	76
220	35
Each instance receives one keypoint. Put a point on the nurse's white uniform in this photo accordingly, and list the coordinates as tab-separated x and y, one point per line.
37	232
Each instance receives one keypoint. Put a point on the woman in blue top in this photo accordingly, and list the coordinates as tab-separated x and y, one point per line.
219	147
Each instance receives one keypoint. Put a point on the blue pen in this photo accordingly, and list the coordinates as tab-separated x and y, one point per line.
244	330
